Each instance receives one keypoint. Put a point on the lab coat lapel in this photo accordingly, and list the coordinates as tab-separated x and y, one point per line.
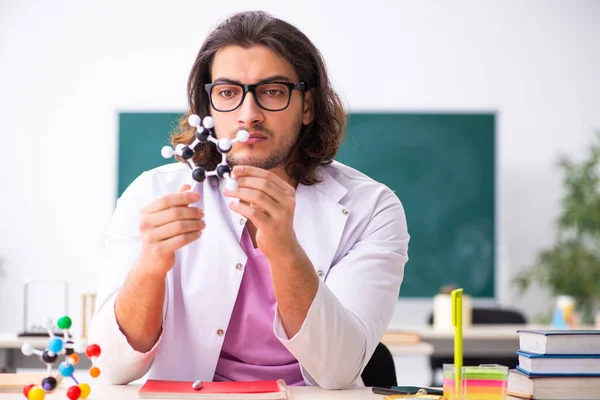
319	220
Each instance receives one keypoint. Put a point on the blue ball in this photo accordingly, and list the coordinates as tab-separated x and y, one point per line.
66	369
55	345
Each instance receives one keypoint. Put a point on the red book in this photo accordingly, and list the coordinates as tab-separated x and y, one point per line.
157	389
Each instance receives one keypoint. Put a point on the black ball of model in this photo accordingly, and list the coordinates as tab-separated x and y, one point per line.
223	169
187	153
49	383
199	174
49	357
69	347
202	135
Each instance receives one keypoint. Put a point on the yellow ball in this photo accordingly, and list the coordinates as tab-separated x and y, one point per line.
36	393
85	390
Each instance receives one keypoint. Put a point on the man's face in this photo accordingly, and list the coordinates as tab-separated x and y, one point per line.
273	134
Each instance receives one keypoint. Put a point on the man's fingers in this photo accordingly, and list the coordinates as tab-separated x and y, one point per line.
245	170
175	228
177	242
184	188
258	217
169	215
263	185
256	197
171	200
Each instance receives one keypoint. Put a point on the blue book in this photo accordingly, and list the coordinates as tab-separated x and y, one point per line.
559	341
559	365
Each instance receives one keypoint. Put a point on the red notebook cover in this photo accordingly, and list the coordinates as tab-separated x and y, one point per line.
275	389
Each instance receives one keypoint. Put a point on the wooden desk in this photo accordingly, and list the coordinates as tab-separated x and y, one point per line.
130	392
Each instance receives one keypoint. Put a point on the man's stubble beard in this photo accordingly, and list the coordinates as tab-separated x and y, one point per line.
283	151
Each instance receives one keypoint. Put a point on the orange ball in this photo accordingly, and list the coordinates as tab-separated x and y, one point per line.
94	372
75	358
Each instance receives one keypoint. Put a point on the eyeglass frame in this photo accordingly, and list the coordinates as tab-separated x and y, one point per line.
301	87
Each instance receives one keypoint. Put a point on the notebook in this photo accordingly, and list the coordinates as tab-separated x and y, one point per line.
159	389
568	364
560	341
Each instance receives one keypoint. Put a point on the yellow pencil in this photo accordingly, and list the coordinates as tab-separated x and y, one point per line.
458	335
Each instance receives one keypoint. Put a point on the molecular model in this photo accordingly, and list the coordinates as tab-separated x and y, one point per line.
203	135
69	348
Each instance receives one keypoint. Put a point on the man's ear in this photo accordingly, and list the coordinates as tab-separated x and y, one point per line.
308	114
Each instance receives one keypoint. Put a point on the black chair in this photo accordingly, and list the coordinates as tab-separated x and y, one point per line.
380	370
481	316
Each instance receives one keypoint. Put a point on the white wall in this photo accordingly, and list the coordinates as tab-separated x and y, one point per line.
66	68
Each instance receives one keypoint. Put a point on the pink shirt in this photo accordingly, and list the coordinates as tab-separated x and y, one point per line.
251	351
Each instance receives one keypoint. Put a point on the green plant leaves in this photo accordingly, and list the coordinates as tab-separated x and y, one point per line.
572	265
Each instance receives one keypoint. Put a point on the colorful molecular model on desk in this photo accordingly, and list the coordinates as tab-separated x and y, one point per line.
203	135
69	348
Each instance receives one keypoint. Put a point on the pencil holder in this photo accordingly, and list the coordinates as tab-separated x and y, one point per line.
485	382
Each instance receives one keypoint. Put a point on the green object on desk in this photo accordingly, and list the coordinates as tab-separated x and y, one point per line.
440	165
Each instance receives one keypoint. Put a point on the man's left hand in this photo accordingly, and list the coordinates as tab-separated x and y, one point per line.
269	202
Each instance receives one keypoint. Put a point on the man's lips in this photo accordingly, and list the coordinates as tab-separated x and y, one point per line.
255	138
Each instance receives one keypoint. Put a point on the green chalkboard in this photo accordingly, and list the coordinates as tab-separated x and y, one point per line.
441	166
141	136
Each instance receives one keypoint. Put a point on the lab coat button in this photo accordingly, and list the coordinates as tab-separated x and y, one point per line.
320	273
220	332
239	266
345	211
242	221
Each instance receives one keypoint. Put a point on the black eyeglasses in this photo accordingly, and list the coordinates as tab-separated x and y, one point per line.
270	96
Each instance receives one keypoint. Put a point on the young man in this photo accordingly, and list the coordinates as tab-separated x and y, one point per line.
293	275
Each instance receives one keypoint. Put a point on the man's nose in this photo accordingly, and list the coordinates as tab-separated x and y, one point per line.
249	112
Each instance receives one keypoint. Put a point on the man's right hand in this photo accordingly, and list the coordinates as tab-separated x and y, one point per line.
167	224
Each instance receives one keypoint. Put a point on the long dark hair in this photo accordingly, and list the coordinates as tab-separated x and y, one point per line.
319	141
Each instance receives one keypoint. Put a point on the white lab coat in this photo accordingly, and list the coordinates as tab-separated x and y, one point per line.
352	228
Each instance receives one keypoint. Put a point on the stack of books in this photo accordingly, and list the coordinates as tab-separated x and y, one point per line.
556	365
